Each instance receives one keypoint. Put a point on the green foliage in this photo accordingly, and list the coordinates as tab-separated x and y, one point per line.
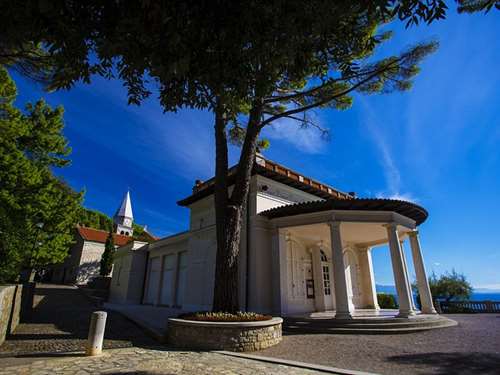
31	144
95	219
98	220
450	286
107	256
386	301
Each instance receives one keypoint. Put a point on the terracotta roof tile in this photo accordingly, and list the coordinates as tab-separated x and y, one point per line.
96	235
274	171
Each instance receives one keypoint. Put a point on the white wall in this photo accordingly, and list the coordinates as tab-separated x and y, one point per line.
271	194
129	273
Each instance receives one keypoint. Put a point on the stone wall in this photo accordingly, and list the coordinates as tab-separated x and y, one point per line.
240	337
10	309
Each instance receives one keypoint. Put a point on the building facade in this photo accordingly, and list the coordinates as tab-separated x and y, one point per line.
305	247
84	258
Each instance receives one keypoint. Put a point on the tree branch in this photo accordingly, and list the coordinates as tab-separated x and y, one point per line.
328	99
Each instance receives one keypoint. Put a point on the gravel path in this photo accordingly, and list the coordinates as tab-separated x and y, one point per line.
473	347
60	323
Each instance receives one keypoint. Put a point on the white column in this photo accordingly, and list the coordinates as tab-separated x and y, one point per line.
405	308
422	281
341	298
279	275
407	275
369	289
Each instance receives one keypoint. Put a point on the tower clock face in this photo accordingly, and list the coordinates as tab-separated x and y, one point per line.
126	222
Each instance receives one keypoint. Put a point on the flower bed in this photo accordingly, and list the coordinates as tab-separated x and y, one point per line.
224	335
240	316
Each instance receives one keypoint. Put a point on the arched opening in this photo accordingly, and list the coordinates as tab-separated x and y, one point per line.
122	232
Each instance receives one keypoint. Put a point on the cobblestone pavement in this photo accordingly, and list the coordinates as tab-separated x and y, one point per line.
60	323
150	361
472	347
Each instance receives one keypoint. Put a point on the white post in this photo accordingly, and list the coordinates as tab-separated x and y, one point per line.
96	333
341	299
407	275
405	308
423	283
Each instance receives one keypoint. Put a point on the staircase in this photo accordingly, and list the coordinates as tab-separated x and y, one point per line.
365	326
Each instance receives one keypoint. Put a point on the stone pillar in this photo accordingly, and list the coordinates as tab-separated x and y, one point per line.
423	283
405	309
369	291
340	284
279	275
407	275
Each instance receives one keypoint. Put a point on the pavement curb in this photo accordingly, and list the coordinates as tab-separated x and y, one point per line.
286	362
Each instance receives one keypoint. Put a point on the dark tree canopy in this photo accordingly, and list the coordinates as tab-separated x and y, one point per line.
107	256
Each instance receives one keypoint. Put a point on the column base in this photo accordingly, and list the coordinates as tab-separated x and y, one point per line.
343	315
430	311
405	314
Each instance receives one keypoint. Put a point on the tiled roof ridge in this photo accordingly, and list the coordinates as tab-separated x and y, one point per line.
409	209
277	172
89	234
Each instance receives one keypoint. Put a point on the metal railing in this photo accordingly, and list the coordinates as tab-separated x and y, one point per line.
450	307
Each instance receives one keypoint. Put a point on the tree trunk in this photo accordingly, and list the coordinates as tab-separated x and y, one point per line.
229	210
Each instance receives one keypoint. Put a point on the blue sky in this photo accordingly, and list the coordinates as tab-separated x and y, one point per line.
436	145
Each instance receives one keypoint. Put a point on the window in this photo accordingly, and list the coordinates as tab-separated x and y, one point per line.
121	232
326	280
326	274
126	233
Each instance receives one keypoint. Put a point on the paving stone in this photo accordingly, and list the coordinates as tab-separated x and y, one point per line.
60	322
153	362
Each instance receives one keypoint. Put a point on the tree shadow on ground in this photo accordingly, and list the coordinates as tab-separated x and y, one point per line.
453	363
63	313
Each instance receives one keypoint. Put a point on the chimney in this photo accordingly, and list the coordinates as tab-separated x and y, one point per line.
197	185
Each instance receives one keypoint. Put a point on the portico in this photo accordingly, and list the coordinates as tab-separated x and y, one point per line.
323	259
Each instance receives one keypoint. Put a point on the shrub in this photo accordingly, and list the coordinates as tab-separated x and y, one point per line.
386	301
240	316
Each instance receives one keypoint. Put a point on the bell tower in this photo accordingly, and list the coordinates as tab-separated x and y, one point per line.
124	218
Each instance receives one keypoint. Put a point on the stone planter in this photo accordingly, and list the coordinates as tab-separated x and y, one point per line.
234	336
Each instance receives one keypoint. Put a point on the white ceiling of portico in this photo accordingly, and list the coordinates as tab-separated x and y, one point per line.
351	233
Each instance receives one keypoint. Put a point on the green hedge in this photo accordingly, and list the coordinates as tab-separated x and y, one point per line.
386	301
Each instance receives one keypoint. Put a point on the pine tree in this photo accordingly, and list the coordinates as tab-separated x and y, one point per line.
37	209
107	256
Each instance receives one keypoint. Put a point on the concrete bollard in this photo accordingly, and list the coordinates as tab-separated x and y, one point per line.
96	333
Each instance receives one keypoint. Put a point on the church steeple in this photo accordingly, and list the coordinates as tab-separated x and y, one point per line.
124	217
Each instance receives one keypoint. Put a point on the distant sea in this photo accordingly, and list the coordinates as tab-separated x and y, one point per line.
476	296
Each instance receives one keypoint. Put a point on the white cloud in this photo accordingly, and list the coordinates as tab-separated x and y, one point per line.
391	171
309	139
437	264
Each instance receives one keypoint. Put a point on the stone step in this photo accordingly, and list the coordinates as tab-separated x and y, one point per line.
370	328
382	325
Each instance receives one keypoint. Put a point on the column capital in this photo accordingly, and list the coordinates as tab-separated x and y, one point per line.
334	224
391	225
413	233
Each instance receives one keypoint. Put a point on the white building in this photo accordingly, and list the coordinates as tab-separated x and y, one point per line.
305	247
